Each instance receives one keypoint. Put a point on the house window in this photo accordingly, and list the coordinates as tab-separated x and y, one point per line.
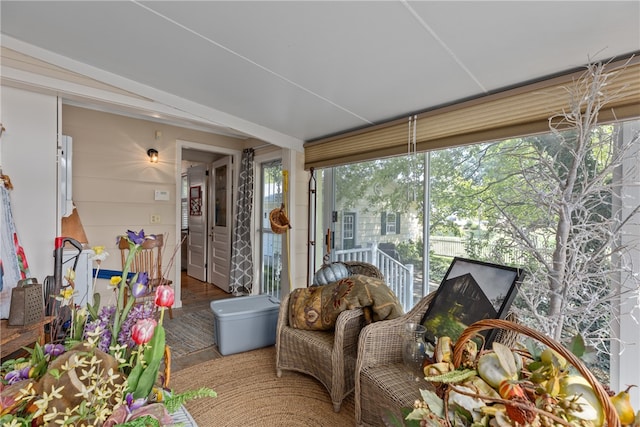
390	223
348	226
348	230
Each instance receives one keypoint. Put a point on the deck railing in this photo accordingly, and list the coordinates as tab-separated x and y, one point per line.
271	264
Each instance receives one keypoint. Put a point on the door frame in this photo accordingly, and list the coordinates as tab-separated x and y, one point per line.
184	144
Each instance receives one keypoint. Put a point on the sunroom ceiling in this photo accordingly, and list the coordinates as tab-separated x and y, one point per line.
292	71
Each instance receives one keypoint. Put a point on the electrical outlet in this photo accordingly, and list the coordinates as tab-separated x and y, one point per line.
155	219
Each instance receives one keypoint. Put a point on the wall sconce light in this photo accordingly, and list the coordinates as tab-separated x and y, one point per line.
153	155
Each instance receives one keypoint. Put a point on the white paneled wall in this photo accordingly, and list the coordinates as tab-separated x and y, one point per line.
28	155
115	184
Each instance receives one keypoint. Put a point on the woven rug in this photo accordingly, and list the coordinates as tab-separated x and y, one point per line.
189	332
250	394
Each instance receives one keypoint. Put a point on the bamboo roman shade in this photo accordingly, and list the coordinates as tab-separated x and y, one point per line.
517	112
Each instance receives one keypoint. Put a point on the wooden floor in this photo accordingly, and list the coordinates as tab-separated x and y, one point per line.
195	295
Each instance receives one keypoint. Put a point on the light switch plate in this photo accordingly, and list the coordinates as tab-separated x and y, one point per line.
161	195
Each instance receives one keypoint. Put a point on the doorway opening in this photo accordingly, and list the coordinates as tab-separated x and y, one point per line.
204	182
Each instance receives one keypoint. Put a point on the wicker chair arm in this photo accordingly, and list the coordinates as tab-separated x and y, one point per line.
283	314
380	343
348	326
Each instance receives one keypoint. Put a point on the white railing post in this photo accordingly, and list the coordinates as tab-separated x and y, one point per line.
409	293
374	251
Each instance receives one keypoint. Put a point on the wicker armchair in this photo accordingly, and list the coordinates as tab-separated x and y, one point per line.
382	385
381	381
328	356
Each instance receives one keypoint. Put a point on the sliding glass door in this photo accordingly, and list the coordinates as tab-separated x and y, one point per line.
271	243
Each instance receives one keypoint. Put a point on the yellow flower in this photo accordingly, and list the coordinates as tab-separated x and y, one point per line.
71	275
115	280
66	293
99	254
13	423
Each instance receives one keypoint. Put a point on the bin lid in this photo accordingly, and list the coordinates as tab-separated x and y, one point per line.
244	305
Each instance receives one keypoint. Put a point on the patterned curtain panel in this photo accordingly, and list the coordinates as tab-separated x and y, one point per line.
241	275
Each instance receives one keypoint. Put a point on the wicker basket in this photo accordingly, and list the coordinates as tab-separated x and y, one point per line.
279	220
610	414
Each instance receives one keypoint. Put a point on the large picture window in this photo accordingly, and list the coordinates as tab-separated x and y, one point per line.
500	202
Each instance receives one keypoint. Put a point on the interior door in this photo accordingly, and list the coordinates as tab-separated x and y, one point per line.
221	221
197	241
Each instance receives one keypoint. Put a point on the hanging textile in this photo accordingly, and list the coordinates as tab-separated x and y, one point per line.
13	262
241	274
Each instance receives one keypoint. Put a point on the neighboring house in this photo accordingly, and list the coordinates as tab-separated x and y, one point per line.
358	227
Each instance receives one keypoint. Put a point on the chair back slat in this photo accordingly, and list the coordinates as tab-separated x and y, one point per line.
148	259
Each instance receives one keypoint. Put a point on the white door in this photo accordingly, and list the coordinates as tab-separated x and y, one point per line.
197	241
221	222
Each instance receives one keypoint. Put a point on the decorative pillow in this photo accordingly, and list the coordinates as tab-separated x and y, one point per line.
317	307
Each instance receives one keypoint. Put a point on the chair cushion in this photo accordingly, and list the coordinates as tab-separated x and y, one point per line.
318	307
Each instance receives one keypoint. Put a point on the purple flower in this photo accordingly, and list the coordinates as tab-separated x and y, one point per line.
133	404
104	321
53	350
140	288
17	375
138	238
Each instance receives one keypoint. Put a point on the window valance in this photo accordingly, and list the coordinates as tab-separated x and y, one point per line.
516	112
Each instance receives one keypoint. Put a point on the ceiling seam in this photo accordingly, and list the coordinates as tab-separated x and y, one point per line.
443	44
250	61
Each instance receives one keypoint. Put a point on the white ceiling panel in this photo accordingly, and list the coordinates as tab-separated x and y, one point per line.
300	70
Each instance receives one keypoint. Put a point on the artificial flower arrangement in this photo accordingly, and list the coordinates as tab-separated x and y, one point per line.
531	385
106	370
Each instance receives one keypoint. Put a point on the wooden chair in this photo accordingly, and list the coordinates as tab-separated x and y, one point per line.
148	259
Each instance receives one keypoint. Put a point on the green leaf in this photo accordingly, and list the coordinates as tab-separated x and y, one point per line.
147	380
452	376
577	345
416	415
174	402
145	421
534	366
505	356
93	309
155	350
134	377
461	416
435	404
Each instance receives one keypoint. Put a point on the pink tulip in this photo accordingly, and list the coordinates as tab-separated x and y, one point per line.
164	296
142	331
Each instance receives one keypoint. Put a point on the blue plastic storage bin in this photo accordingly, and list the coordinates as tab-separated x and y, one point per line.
245	323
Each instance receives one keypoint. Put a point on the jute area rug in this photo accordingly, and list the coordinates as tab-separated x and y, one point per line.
250	394
190	331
